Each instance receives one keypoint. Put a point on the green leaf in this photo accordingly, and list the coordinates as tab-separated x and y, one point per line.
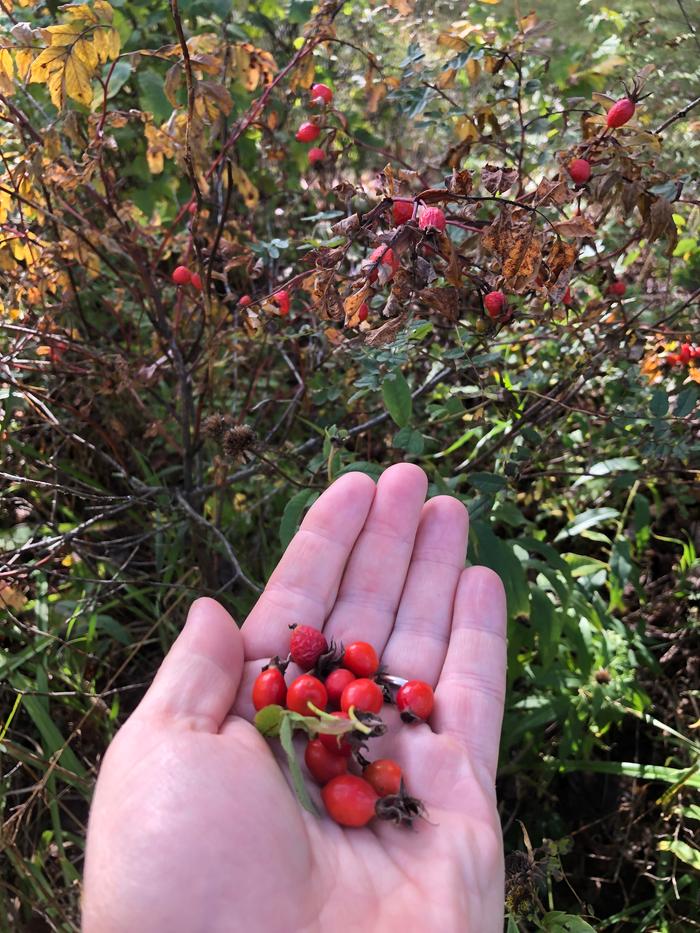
634	769
291	517
152	96
686	853
585	520
397	398
267	720
659	403
363	466
409	440
487	482
300	789
687	400
556	921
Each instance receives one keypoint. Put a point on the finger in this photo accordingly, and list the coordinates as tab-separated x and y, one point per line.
471	690
418	643
371	589
198	680
304	584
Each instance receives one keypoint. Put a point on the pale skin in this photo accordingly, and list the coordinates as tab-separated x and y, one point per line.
194	827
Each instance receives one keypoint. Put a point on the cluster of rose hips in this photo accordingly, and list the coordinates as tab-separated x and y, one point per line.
338	701
182	276
309	131
685	355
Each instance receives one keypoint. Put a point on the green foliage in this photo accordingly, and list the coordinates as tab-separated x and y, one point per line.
129	487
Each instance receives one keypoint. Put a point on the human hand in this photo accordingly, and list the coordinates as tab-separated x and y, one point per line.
194	826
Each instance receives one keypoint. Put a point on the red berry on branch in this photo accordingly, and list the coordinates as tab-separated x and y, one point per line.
323	92
349	800
616	289
686	353
307	132
621	112
432	218
182	276
245	300
304	690
673	359
316	155
269	687
415	700
385	257
384	775
580	171
192	207
307	645
402	210
336	682
196	281
567	300
363	312
495	303
323	765
281	299
363	694
361	658
337	744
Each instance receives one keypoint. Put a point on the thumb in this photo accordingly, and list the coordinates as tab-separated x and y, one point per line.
199	678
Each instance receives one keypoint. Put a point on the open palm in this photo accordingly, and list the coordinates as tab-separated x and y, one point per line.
194	826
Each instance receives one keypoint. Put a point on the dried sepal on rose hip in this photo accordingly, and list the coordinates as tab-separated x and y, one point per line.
415	701
401	808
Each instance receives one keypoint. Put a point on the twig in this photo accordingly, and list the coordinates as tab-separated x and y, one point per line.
677	116
221	537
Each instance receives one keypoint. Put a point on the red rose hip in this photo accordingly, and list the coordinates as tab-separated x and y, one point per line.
196	281
365	695
383	256
616	289
307	645
349	800
336	682
269	688
415	700
322	91
281	299
245	300
494	302
316	155
304	690
580	171
322	763
620	113
307	132
432	218
182	276
402	210
361	658
384	775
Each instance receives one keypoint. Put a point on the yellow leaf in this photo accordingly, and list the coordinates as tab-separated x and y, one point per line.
246	187
23	62
47	61
465	130
86	51
77	80
107	43
6	73
65	33
473	70
80	11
